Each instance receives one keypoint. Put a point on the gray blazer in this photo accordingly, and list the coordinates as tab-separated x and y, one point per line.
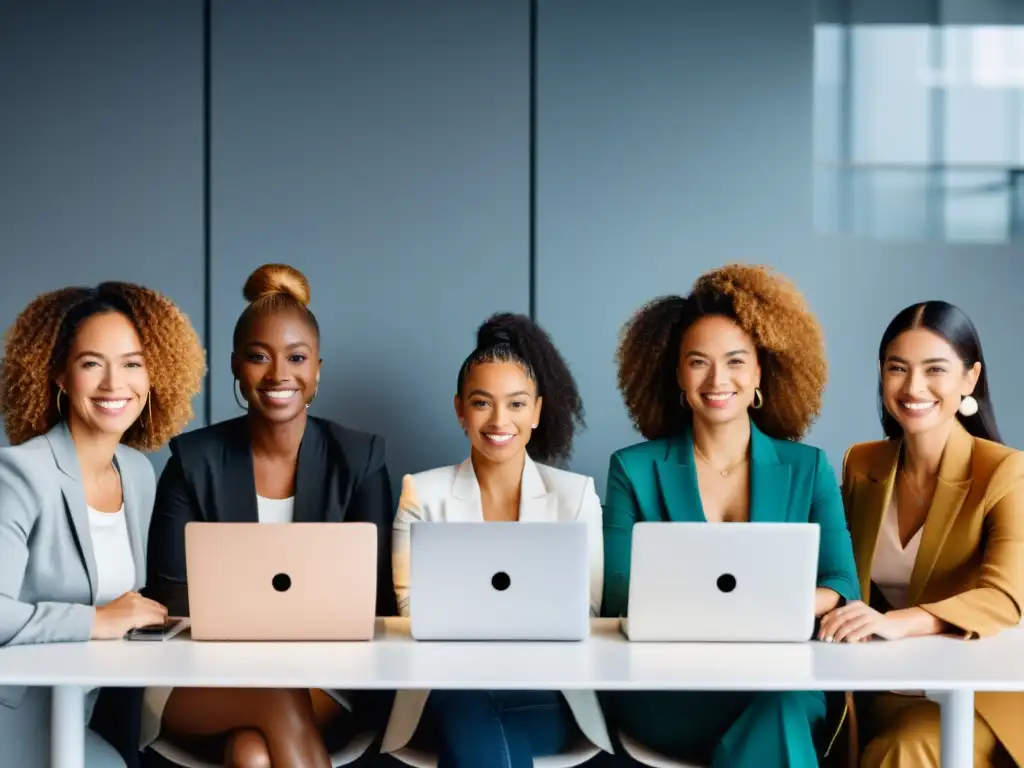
48	570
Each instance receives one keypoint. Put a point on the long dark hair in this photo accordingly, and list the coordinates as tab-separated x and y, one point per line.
952	324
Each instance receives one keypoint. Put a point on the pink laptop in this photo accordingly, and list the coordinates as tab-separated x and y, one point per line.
287	581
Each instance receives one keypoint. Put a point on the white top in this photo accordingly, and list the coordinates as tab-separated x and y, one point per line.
893	564
275	510
115	564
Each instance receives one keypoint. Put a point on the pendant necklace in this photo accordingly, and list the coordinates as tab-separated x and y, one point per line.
723	472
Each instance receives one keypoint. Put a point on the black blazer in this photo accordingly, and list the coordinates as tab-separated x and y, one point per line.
342	476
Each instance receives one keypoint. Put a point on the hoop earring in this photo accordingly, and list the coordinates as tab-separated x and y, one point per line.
236	390
315	393
60	391
682	399
148	406
758	399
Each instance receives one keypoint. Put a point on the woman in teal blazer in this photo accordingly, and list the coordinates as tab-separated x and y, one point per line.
722	384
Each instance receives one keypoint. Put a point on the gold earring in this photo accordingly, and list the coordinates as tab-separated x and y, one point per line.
758	398
236	390
315	392
147	407
60	391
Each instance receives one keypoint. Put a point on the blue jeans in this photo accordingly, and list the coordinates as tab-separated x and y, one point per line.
498	729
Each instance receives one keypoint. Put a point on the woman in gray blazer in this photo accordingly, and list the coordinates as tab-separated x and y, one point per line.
89	376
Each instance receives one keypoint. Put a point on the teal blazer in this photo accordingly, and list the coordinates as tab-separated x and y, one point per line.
789	482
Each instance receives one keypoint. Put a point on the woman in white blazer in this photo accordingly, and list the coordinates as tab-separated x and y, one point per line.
517	402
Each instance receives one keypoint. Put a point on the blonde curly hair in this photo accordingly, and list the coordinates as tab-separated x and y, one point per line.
37	345
769	307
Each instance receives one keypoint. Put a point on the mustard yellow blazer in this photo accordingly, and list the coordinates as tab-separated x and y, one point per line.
970	566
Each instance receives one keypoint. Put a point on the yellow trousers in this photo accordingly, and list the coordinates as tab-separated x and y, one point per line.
903	732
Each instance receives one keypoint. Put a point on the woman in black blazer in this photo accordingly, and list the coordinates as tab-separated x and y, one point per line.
275	464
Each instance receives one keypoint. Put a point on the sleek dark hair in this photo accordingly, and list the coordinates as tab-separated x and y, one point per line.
511	338
952	324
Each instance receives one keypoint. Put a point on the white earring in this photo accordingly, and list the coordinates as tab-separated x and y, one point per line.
968	406
534	426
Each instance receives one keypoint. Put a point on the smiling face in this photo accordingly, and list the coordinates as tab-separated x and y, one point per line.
105	378
277	365
718	370
924	381
498	408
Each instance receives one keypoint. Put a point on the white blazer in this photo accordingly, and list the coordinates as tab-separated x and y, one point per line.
452	494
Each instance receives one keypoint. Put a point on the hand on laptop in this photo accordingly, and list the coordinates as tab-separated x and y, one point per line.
126	612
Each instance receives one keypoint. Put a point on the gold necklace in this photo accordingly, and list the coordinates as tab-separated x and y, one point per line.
906	481
723	472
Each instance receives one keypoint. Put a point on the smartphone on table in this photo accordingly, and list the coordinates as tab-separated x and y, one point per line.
164	631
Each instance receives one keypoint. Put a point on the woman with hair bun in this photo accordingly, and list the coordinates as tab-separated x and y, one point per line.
274	464
519	406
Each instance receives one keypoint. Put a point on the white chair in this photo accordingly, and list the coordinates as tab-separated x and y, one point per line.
647	756
577	754
351	752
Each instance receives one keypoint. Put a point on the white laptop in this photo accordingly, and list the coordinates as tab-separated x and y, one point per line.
721	582
499	581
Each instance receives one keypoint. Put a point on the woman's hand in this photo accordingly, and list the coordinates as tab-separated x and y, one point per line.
855	622
124	613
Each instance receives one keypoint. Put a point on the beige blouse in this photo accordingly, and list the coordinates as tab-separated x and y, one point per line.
893	564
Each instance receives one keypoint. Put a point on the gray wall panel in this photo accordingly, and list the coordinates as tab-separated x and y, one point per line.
101	149
673	138
382	148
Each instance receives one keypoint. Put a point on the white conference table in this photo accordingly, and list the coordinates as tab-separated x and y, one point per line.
950	670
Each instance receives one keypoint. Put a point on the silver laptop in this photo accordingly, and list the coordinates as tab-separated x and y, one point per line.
499	581
720	582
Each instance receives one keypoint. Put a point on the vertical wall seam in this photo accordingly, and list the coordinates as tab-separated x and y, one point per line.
207	261
532	204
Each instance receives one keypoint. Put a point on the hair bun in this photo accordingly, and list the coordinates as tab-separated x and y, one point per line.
500	329
276	280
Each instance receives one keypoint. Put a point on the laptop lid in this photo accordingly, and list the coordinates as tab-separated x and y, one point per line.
284	581
711	582
499	581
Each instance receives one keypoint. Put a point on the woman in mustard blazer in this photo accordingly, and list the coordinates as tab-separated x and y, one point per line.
722	384
936	513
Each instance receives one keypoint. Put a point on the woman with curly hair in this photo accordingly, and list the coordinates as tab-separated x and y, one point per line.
91	377
518	404
935	516
723	383
273	464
